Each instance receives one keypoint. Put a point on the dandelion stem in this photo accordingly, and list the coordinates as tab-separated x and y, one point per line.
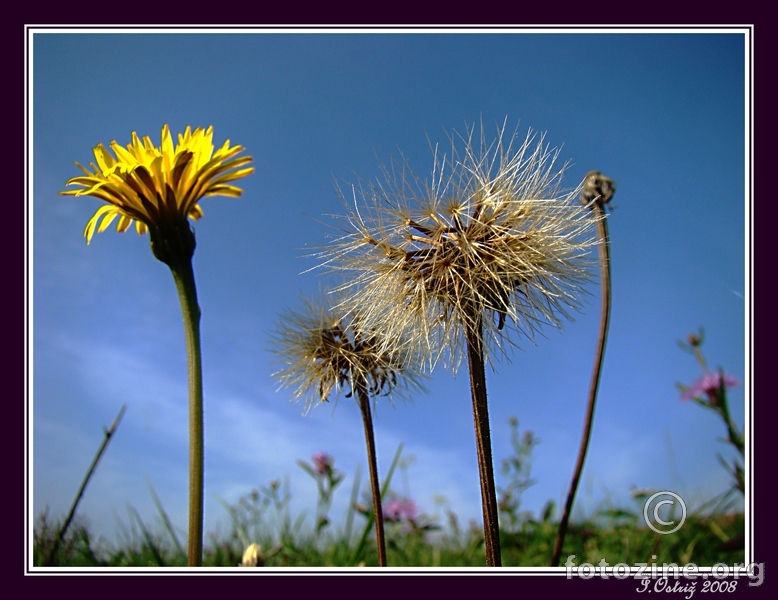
187	294
367	419
483	443
598	206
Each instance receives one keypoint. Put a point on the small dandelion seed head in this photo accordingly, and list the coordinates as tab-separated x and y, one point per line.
488	244
325	349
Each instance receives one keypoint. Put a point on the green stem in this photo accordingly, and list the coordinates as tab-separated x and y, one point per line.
187	294
367	419
605	279
735	437
483	444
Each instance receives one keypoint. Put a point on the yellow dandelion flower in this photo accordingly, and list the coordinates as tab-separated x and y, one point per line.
159	188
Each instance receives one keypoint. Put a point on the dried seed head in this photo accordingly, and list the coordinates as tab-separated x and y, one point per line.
488	243
325	348
597	188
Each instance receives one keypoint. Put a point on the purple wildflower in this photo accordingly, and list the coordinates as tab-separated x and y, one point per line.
398	509
322	463
709	385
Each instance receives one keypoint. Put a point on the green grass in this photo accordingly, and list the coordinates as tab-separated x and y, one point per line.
616	534
263	517
616	538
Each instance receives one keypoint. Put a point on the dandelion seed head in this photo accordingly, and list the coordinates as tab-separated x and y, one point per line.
489	244
326	350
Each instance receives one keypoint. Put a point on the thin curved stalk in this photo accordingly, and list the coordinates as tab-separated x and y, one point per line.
367	419
190	310
605	278
107	433
483	443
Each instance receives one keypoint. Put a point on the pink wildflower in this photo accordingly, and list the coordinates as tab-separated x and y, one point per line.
322	463
709	385
398	509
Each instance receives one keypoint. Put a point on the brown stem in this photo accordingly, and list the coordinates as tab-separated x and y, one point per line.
483	444
107	438
605	279
367	419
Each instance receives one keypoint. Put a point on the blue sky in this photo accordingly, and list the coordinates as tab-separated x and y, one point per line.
663	114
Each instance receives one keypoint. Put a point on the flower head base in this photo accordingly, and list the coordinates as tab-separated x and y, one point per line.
710	385
489	240
159	188
325	348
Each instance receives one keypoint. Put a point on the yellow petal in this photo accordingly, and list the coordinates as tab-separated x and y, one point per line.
233	175
225	149
195	213
122	154
224	190
137	147
103	157
143	183
89	230
167	141
123	224
107	220
148	146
